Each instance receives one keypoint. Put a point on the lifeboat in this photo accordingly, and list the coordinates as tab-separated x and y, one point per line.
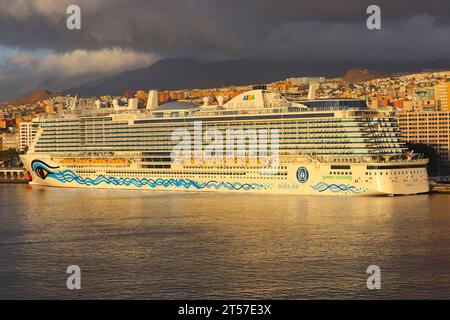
118	161
67	161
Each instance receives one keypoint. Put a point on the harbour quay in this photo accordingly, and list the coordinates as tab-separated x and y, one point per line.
13	175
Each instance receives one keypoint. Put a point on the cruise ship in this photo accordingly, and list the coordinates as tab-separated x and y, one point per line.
310	147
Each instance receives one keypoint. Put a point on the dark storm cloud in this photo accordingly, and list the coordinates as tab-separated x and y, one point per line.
120	35
294	30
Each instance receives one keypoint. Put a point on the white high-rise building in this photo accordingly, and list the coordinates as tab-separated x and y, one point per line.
442	94
27	132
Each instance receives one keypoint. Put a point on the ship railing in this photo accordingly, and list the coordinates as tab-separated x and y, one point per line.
348	160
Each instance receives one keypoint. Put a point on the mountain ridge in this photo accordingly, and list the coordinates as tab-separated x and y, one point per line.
30	98
191	73
360	75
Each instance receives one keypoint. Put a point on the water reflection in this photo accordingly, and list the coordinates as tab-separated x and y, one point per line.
132	244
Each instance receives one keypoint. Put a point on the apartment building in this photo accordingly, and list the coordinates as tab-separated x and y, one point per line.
442	95
26	134
429	127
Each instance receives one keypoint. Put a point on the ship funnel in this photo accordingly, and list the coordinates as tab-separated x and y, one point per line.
152	102
133	103
312	91
220	100
74	103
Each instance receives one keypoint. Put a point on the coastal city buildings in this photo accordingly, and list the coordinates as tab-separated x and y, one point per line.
165	96
442	94
26	133
52	108
428	127
305	80
8	141
6	123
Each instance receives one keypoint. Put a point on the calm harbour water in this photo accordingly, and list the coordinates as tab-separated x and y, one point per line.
132	244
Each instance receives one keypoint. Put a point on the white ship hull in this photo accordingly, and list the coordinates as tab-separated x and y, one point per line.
312	178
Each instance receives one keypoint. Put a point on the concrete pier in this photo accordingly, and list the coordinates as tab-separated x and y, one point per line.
13	175
440	188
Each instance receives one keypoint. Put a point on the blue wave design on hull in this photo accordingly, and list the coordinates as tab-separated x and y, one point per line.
322	187
67	176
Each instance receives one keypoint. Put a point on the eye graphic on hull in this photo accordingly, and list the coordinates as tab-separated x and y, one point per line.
41	173
42	169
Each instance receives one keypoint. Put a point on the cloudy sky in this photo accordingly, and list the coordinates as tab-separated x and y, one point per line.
37	49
